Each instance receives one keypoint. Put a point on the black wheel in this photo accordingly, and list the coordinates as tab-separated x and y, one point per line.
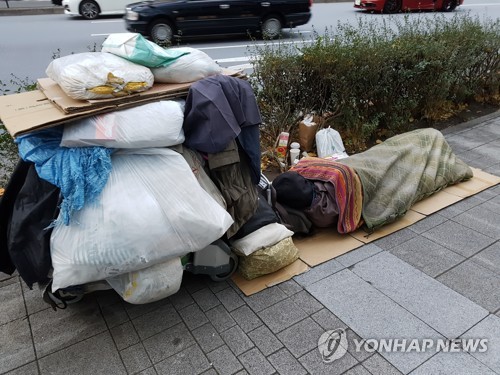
271	27
161	32
89	9
392	6
449	5
233	261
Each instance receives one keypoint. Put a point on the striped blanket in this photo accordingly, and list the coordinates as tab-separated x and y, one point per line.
348	189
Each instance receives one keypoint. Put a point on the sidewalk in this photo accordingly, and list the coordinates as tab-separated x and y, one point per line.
436	279
28	7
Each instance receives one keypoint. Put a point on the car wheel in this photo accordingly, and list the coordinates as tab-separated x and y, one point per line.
271	27
161	32
449	5
392	6
89	9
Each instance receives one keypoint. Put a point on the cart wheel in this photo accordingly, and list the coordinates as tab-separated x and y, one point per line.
233	261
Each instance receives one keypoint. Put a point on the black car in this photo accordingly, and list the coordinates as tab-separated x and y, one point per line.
161	21
57	2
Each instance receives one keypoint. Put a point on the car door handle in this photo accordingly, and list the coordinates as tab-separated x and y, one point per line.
265	4
224	6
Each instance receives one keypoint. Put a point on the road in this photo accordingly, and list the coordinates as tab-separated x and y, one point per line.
29	43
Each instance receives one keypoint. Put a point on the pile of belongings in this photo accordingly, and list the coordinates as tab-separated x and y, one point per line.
125	197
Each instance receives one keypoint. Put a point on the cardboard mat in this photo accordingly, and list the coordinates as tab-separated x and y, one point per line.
327	244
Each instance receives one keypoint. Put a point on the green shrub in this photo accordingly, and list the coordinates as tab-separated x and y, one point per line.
375	77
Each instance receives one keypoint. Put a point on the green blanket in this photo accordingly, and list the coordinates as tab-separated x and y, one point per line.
403	170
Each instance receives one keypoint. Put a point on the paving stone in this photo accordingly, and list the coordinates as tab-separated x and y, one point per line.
75	323
193	316
395	239
357	370
453	363
181	299
16	348
290	287
493	169
96	355
488	329
318	272
148	371
135	311
33	299
458	238
306	302
477	283
352	340
423	296
224	361
206	299
230	299
359	254
193	283
489	258
217	286
462	142
237	340
246	318
482	220
492	204
428	223
285	363
124	335
327	320
168	342
210	372
242	372
107	297
371	314
376	364
265	340
207	337
255	363
282	315
156	321
12	303
189	362
114	314
220	318
261	300
135	358
487	194
477	159
6	279
29	369
427	256
314	364
301	337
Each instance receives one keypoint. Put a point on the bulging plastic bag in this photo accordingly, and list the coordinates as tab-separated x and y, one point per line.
191	67
134	47
261	238
329	143
98	75
152	209
156	124
149	284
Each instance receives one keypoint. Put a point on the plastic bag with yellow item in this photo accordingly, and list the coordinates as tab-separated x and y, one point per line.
99	75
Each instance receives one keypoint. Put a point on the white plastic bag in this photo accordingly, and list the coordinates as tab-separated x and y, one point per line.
156	124
134	47
192	67
329	142
98	75
149	284
266	236
152	209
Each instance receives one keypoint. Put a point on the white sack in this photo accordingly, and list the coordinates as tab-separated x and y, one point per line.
329	142
152	209
98	75
266	236
149	284
156	124
188	68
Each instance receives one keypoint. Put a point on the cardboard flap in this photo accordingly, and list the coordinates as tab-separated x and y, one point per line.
253	286
476	184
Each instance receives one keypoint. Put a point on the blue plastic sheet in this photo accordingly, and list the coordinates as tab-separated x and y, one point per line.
81	173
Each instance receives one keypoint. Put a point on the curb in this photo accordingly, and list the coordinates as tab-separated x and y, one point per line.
30	11
471	123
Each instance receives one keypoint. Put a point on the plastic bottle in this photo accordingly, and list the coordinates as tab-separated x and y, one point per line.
294	153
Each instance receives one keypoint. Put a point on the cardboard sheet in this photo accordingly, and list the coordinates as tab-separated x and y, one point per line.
478	183
253	286
324	245
435	202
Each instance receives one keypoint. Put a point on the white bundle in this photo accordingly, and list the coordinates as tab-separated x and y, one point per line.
156	124
266	236
98	75
149	284
152	209
192	67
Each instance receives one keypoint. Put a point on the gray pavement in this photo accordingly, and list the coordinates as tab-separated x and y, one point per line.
437	279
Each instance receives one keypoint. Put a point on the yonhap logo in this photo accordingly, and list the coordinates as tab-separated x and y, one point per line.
332	345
